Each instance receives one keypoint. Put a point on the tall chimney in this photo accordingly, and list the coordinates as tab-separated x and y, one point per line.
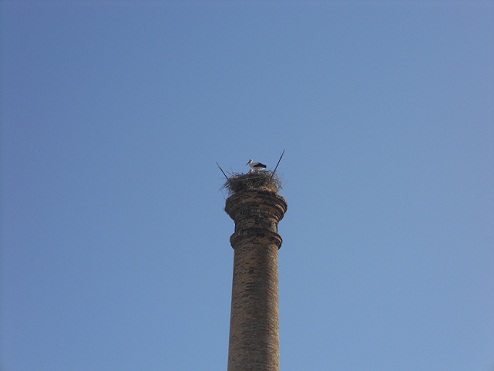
256	208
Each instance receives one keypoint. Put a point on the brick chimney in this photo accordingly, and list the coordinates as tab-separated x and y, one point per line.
254	322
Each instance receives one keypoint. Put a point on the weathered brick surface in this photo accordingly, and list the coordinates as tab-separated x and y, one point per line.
254	322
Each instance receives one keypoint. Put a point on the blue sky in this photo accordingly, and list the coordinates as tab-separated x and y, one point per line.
115	247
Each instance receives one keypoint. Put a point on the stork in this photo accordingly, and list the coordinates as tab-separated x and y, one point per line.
256	166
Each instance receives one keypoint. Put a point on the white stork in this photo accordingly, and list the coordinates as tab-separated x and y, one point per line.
256	166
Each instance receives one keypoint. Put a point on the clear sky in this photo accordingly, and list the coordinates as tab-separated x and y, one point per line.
115	249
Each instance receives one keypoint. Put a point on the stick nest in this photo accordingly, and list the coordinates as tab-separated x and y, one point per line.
256	180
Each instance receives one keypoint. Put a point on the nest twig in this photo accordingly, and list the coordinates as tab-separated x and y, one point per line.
256	180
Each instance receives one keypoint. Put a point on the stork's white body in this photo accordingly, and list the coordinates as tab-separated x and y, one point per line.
256	166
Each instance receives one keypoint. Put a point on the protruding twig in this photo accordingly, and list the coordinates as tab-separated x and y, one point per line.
222	171
274	171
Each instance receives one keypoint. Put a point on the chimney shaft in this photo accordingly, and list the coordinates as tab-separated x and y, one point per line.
254	323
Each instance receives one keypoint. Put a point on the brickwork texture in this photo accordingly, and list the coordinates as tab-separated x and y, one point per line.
254	322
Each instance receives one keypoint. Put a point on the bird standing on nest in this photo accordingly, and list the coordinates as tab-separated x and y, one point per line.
256	166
